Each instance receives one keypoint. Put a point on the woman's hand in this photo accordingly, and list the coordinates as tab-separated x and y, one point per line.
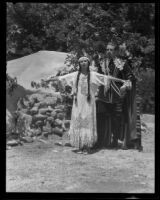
52	78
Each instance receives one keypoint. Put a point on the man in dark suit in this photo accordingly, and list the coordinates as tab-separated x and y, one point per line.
117	118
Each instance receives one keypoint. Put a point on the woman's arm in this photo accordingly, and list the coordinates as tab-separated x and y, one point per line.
116	79
67	78
101	79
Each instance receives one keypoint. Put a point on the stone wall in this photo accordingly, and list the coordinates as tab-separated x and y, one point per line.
38	115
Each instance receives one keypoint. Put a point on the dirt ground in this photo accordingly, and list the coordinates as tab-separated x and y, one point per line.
51	167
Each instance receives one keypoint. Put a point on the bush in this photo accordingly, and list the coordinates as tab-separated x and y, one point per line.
146	90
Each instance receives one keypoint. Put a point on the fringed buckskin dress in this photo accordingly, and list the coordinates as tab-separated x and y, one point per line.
83	127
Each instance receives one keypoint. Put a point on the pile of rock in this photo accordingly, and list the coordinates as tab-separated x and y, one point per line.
39	115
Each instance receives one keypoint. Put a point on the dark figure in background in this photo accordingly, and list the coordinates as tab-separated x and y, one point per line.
118	117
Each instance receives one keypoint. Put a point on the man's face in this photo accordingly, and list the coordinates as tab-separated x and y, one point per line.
110	50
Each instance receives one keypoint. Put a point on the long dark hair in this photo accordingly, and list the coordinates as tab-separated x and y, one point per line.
88	80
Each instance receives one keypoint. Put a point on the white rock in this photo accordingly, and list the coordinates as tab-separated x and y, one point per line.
12	143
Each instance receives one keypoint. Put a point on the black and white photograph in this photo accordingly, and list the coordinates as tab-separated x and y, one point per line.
80	98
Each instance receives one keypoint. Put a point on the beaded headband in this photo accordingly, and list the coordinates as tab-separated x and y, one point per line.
83	58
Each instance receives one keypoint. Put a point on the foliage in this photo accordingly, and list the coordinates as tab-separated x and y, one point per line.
83	28
146	90
11	84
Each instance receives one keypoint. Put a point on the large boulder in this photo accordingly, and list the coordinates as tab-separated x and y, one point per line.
43	111
53	114
51	101
34	110
12	142
38	117
58	123
50	109
43	104
60	107
60	116
47	128
50	119
58	131
48	114
57	110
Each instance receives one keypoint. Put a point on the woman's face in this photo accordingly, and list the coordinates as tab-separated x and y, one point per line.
84	65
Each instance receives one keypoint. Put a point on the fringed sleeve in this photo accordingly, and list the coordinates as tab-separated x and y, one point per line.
100	79
69	79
